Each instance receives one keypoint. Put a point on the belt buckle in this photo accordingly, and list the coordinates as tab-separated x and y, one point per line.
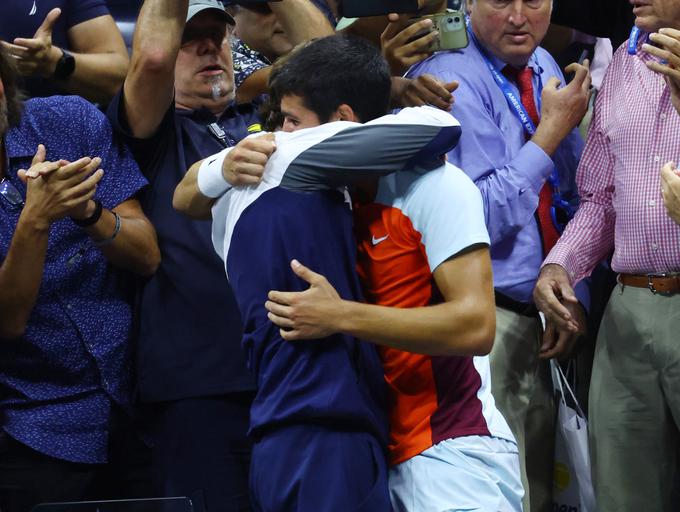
650	283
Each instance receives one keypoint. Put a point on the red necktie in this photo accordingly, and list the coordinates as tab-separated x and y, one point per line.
524	80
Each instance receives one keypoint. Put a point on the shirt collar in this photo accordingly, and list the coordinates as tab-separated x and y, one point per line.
499	64
18	144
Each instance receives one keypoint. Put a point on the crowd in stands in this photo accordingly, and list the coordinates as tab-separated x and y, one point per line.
274	258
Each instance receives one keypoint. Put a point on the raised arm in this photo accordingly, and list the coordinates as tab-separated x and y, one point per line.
243	165
149	85
301	20
101	59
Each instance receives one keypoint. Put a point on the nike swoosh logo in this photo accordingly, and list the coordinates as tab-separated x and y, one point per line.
212	161
376	241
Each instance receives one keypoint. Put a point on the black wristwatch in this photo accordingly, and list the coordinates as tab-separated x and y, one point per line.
92	219
66	65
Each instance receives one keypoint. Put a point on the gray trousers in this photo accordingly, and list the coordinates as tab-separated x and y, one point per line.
635	402
522	389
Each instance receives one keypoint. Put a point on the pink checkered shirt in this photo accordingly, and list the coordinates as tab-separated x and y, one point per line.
635	130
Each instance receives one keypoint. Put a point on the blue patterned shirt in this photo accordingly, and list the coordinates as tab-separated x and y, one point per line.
246	61
59	381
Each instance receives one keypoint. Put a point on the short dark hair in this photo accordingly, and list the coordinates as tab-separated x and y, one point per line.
10	81
334	70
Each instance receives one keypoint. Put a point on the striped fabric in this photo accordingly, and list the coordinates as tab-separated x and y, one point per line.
635	131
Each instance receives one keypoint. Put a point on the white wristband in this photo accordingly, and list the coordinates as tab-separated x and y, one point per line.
211	181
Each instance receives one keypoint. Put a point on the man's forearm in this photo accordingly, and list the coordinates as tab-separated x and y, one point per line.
188	198
134	246
451	328
97	77
21	274
149	86
301	20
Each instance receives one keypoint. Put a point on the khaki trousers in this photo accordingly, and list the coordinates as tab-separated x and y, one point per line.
521	386
635	402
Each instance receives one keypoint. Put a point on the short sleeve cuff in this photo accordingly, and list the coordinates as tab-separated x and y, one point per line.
211	181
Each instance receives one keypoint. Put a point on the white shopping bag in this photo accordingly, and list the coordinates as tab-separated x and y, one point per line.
573	485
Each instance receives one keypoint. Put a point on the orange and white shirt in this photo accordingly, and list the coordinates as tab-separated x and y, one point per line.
417	221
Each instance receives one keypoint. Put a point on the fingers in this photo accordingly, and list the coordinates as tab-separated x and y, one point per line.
48	23
663	69
396	23
80	169
29	46
549	337
553	83
670	32
280	321
39	156
547	300
279	310
304	273
21	173
428	90
282	298
88	184
581	74
562	346
451	86
402	37
668	172
15	50
42	169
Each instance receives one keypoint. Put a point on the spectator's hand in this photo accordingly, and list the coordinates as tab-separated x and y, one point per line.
554	296
244	165
37	56
559	342
670	189
563	108
55	190
399	47
305	315
427	90
668	51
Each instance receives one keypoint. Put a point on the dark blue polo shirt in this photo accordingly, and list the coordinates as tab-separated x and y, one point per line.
21	18
190	326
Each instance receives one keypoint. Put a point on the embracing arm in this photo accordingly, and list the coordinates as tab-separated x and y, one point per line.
463	325
242	165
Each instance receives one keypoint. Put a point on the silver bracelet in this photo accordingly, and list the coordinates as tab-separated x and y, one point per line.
116	230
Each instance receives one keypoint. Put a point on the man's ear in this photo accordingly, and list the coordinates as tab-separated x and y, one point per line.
345	113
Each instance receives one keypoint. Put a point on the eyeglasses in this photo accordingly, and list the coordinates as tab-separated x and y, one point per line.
10	193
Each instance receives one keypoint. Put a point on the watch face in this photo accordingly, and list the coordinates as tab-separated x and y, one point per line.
66	65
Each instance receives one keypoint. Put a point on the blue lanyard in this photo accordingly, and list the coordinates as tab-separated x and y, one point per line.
633	40
505	87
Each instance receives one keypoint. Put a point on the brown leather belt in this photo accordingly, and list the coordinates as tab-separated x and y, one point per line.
655	283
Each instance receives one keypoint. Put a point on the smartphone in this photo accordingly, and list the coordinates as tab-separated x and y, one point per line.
452	30
360	8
